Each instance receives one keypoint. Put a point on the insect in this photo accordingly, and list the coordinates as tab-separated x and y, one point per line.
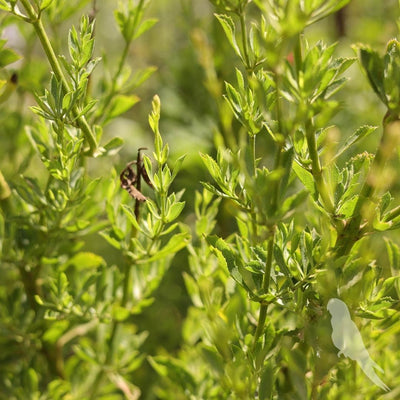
131	181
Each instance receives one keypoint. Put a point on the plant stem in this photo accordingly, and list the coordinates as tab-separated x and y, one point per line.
56	67
253	155
317	169
274	206
265	287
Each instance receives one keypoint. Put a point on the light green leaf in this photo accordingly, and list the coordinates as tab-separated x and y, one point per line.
174	211
5	5
113	146
176	243
359	134
113	242
306	178
131	216
212	167
8	56
347	209
230	31
44	4
121	104
85	260
145	26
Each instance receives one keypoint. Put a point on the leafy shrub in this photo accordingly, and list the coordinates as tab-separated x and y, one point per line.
289	215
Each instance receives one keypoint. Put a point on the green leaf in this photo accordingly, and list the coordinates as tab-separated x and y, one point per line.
112	147
266	383
131	216
8	56
176	243
145	26
372	64
112	241
55	331
393	251
44	4
4	5
121	104
230	31
212	167
392	74
154	119
279	258
85	260
289	205
174	211
306	179
175	370
359	134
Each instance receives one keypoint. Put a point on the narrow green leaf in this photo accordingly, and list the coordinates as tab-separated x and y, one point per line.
212	167
113	146
230	32
113	242
131	216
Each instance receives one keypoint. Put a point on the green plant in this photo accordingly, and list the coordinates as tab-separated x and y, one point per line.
258	327
67	313
291	216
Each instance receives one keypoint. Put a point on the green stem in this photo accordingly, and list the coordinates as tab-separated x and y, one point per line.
274	206
265	288
56	67
253	155
320	183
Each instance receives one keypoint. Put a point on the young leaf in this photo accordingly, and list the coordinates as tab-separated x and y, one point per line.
306	178
372	64
230	32
359	134
121	104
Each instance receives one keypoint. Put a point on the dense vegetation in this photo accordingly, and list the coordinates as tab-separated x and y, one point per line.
185	186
